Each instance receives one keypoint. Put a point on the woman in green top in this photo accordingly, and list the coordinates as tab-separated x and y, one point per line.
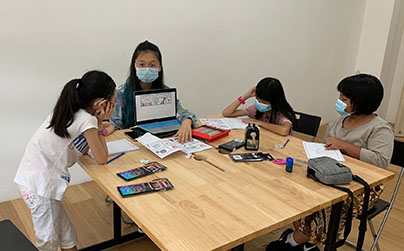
146	72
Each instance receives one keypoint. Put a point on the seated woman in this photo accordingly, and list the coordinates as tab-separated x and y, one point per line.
359	133
271	110
146	72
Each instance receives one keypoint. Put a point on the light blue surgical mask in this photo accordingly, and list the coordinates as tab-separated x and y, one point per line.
340	108
262	107
147	75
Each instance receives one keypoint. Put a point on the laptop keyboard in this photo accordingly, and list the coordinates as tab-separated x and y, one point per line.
161	124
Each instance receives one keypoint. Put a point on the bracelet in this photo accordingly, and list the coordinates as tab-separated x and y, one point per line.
103	132
241	100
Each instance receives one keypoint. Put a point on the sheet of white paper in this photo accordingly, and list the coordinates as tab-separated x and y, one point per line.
165	147
225	123
118	146
314	150
236	123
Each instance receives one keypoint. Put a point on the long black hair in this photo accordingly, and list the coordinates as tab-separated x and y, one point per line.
133	83
79	94
271	90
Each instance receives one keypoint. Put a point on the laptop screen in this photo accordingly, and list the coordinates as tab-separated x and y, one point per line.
155	105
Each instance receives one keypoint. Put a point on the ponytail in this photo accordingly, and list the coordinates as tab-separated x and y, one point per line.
79	94
67	105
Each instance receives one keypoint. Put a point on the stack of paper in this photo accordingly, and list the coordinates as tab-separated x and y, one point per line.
315	150
225	123
165	147
118	146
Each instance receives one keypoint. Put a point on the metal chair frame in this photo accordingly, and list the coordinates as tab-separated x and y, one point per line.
397	159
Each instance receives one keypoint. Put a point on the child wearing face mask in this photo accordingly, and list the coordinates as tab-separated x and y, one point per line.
271	110
146	73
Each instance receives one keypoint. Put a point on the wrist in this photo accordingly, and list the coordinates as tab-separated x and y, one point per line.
188	121
241	100
103	132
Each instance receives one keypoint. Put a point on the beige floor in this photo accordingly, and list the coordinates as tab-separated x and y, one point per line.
92	218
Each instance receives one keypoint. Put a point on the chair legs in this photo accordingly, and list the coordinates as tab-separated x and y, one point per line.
127	222
351	244
108	199
375	236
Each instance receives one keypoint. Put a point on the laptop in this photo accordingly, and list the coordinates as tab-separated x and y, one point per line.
156	111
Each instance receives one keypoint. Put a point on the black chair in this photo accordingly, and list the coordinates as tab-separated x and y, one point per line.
12	239
307	124
382	205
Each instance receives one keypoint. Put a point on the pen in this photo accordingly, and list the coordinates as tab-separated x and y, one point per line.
287	141
114	158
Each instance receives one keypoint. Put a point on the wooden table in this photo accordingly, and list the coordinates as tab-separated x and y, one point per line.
214	210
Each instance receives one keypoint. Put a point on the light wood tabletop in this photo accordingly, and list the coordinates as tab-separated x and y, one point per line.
210	209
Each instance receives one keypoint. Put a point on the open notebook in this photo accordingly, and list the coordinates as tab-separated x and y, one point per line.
165	147
118	146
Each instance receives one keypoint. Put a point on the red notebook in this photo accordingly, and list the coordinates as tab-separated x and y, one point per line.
209	133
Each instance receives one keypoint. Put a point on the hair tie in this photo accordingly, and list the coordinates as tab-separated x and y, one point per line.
78	83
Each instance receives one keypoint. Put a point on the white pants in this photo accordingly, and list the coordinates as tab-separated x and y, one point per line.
52	226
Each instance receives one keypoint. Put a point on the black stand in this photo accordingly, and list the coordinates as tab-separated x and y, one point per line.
333	227
238	248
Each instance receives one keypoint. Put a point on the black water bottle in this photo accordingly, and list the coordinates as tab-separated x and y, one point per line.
252	137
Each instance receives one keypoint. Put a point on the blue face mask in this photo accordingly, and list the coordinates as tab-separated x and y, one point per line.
262	107
147	75
340	108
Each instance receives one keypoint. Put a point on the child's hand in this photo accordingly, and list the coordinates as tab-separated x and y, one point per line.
103	109
333	143
250	121
250	93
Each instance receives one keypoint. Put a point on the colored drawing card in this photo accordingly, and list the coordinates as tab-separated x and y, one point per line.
188	147
165	147
135	189
157	145
142	171
160	184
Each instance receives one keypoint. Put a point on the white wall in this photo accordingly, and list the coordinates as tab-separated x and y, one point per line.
381	51
393	66
213	51
374	35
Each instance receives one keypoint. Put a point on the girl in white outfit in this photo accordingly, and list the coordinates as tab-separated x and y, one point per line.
66	134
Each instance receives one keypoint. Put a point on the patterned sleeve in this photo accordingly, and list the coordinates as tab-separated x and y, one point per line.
116	117
251	111
280	119
183	113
